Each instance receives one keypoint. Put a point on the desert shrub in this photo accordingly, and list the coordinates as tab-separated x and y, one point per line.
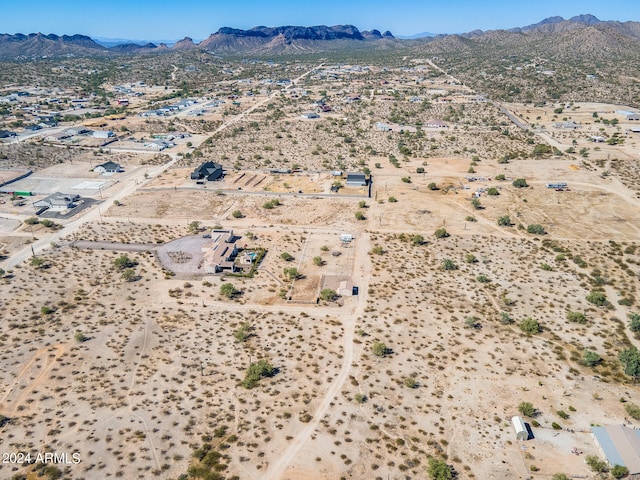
529	326
448	264
256	371
597	298
527	409
441	233
633	410
504	221
590	358
536	229
379	349
519	183
577	317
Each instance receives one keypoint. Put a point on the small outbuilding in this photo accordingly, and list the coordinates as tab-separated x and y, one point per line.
520	427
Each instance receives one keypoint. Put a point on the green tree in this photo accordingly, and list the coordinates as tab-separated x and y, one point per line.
536	229
228	290
619	471
291	273
286	256
237	214
529	326
476	203
432	186
257	371
440	470
519	183
504	221
123	262
527	409
597	465
441	233
630	360
501	176
493	191
32	221
379	349
597	298
328	294
590	358
129	274
194	227
406	179
243	332
634	323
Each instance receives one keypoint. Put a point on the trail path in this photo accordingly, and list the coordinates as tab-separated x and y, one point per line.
349	319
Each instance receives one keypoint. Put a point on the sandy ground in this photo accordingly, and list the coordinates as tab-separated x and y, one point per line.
156	371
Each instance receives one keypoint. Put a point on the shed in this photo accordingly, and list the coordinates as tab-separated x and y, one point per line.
346	237
310	115
520	428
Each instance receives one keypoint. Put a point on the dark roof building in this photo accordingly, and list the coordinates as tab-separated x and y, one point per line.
356	180
208	171
7	134
109	167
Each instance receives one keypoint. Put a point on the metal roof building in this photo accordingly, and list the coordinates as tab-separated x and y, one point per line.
620	446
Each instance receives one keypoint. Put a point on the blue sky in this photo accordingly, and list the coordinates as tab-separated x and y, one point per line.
175	19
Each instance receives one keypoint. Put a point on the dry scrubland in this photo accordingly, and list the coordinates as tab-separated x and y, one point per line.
143	377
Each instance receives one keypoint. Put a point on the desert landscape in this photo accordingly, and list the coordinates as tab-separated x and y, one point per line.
316	269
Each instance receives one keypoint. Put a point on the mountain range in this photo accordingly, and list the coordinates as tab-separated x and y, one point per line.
580	32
